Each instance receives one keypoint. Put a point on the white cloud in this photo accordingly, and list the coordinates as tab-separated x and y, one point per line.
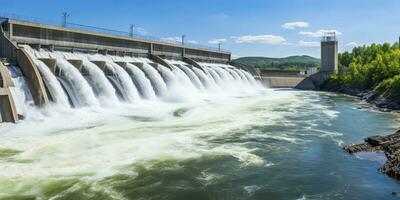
140	31
266	39
220	16
351	44
294	25
192	42
217	41
172	39
319	33
308	44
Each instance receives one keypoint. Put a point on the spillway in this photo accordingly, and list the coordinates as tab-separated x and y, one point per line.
90	79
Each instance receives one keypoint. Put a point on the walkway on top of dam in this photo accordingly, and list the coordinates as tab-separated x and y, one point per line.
88	38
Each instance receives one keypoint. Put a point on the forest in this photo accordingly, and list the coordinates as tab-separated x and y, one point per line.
375	67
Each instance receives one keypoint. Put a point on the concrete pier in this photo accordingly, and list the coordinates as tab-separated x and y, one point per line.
8	111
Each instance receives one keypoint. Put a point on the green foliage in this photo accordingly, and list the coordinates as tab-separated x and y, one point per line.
292	62
371	67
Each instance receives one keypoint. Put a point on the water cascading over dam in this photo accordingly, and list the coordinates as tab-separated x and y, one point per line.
82	79
69	68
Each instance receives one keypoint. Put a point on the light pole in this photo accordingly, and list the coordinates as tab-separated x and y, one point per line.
132	28
183	40
65	16
219	46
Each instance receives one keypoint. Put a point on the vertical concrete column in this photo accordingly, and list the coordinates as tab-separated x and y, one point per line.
103	51
193	63
159	60
8	111
76	63
51	64
151	49
33	77
10	31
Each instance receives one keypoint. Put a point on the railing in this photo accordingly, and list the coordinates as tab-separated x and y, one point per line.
81	27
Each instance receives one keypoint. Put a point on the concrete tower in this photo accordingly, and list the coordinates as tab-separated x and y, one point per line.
329	53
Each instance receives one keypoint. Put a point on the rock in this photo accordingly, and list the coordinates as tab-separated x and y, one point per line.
390	144
385	102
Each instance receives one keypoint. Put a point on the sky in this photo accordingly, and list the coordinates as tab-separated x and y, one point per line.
272	28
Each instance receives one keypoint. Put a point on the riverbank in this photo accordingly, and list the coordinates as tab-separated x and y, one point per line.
384	102
389	144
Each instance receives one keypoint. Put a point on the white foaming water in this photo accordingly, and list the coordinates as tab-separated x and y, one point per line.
56	91
214	75
192	76
157	81
130	91
243	76
21	94
207	81
103	88
141	81
80	88
180	89
96	144
184	79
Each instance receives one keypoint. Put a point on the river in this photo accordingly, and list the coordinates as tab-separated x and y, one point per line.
282	144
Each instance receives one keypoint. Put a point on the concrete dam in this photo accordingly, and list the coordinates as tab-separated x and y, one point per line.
44	65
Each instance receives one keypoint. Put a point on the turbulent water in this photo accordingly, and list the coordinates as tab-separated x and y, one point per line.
128	128
279	144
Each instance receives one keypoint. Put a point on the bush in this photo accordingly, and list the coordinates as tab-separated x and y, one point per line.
371	67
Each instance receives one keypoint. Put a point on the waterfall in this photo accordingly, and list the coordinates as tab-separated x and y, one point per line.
251	78
21	94
180	88
54	87
193	77
184	79
214	75
157	81
129	90
234	74
141	81
82	91
130	79
242	76
207	81
100	84
56	91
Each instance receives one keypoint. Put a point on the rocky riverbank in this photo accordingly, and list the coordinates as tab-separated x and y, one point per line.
384	102
389	144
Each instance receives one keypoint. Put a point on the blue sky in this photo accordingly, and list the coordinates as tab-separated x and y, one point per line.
274	28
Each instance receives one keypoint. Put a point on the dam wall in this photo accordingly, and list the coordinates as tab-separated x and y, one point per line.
56	37
72	68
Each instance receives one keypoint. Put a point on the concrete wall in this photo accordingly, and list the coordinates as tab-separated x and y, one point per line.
329	56
8	111
59	37
33	77
281	82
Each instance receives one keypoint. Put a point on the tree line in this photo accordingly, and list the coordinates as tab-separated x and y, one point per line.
374	67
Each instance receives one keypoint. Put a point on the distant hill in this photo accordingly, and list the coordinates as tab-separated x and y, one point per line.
291	62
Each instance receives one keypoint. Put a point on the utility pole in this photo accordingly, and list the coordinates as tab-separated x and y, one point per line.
65	16
183	40
132	28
